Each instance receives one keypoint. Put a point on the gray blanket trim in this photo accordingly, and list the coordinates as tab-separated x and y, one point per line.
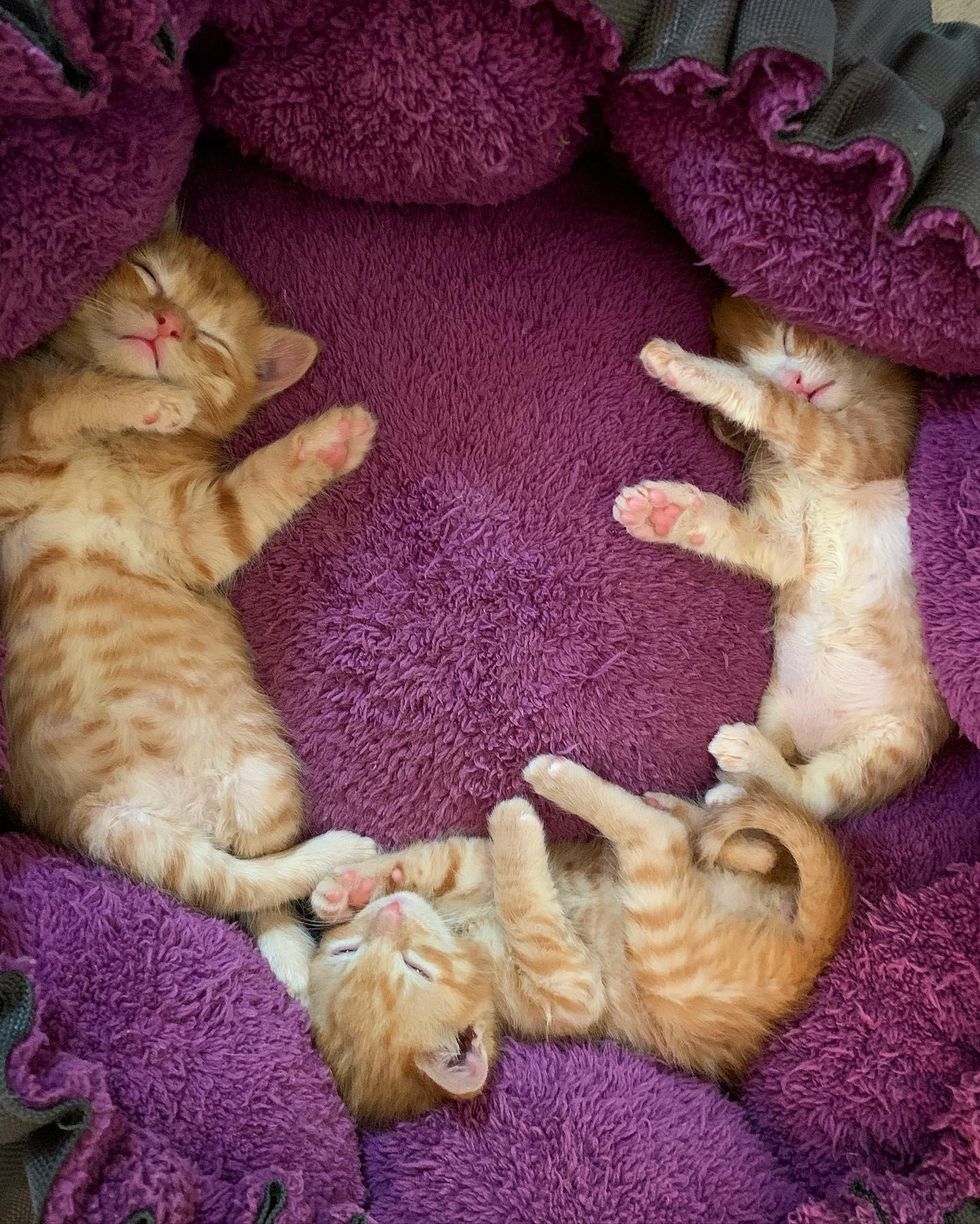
893	75
34	1143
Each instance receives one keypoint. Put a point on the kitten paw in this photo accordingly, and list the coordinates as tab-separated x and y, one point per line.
665	361
338	897
542	767
172	410
741	748
723	793
661	511
513	819
334	443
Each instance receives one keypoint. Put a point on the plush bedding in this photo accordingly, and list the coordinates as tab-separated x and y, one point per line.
466	600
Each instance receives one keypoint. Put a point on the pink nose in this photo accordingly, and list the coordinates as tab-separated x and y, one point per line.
793	380
390	914
168	326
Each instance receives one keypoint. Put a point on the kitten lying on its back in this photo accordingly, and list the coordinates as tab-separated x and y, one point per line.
137	731
852	714
633	940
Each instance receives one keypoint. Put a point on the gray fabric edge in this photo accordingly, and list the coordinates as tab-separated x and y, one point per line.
34	1143
892	74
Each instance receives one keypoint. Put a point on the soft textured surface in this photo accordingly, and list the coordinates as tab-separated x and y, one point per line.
878	1076
579	1133
433	102
945	522
202	1079
466	600
56	170
805	230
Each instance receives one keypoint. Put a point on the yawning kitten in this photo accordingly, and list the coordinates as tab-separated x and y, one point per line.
456	941
852	714
137	731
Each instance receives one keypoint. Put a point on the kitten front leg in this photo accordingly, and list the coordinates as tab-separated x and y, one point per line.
554	982
666	512
796	429
68	405
227	522
458	866
705	380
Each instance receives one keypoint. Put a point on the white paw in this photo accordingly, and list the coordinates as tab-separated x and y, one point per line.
544	766
337	897
740	748
512	818
340	847
723	793
288	954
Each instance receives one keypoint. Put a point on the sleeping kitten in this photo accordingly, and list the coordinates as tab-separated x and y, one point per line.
852	714
137	731
456	941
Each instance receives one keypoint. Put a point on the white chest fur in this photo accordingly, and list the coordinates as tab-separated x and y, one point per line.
858	563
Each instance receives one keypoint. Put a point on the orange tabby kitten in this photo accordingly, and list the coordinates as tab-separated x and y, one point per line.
852	714
137	731
456	941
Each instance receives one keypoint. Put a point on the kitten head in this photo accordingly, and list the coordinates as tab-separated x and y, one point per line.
402	1010
178	311
831	375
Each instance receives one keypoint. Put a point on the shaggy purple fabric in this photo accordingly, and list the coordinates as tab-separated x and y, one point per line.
89	168
432	102
58	171
871	1080
913	840
945	522
466	600
201	1075
803	230
579	1133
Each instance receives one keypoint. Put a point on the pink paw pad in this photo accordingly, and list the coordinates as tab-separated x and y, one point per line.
151	418
334	455
663	517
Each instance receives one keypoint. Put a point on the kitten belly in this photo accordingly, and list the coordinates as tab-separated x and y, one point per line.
824	690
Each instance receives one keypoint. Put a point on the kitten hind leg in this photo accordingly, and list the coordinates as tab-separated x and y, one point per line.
266	805
858	774
555	980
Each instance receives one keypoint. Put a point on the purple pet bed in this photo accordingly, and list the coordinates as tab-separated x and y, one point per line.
466	600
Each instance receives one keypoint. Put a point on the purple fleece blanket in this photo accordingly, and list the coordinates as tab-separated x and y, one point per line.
466	600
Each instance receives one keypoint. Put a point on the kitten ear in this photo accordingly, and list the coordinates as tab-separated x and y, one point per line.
286	356
461	1075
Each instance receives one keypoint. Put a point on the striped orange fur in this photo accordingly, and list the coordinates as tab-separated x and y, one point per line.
852	714
137	730
645	937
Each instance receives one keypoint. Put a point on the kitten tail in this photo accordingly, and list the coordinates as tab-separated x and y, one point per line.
825	893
